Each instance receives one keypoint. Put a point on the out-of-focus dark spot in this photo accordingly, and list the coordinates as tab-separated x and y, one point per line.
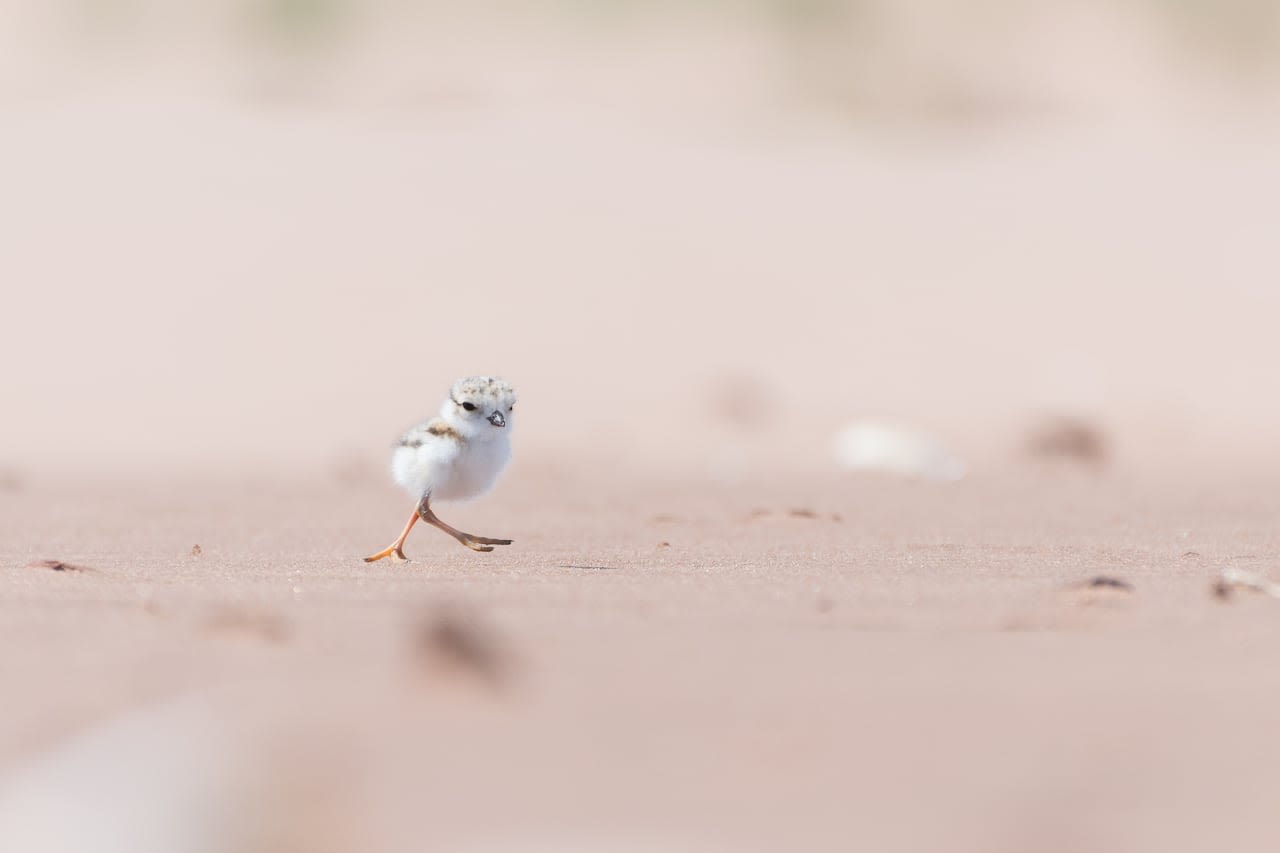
452	643
1100	590
1068	439
760	514
743	401
196	550
1102	581
153	608
255	622
58	566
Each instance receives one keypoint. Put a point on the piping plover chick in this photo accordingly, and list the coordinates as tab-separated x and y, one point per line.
455	457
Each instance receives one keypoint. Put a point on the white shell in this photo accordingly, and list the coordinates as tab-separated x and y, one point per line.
871	446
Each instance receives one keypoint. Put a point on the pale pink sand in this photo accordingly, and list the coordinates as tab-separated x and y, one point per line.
916	674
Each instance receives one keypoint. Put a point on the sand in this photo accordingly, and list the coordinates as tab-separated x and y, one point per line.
825	663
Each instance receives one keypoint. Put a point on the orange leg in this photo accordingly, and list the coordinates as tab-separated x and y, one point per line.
396	551
475	543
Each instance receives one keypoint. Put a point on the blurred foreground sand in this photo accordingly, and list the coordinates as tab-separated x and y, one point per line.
821	664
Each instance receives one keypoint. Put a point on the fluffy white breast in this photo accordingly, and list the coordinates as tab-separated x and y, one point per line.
475	470
433	458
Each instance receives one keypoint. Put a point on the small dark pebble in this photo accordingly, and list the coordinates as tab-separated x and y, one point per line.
196	550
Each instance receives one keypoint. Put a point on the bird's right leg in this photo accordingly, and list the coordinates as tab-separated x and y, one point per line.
396	550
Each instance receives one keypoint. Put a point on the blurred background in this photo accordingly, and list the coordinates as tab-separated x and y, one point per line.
271	232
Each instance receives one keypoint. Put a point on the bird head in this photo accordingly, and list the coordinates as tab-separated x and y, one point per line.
480	407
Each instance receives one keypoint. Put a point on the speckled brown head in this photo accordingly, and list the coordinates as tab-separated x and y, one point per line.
480	407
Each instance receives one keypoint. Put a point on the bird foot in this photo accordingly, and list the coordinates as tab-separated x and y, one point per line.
481	543
396	555
485	540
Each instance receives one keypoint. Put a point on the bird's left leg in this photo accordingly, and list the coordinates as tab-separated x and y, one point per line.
475	543
396	549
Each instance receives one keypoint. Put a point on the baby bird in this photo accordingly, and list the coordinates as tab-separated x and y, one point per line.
457	456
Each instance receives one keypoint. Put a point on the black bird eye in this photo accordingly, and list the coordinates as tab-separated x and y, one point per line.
470	407
511	407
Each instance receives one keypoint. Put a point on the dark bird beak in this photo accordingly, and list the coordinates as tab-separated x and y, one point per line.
497	419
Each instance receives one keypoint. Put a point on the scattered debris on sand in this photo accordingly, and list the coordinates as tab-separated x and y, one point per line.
1068	439
196	550
58	566
1231	579
872	446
